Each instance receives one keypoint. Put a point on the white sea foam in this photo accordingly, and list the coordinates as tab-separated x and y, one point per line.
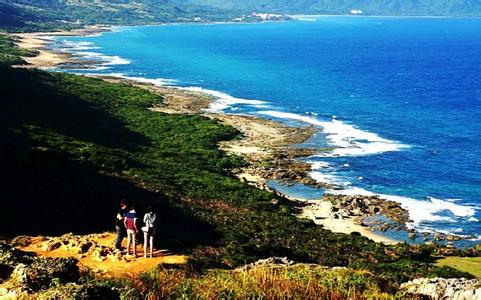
456	231
317	165
328	175
224	101
72	46
419	210
349	140
105	60
325	177
456	209
154	81
100	68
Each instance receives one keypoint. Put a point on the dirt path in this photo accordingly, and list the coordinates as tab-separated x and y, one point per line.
95	252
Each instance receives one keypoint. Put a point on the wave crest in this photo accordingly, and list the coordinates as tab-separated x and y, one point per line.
420	211
224	101
349	140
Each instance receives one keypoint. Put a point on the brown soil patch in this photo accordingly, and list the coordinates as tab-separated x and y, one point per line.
100	257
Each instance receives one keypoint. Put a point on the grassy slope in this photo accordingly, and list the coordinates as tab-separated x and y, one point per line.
19	19
71	147
293	282
34	16
9	54
471	265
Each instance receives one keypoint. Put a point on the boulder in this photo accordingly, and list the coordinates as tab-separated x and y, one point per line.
43	272
278	261
444	288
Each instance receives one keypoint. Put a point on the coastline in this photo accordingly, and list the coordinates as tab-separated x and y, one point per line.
45	58
161	143
48	58
263	140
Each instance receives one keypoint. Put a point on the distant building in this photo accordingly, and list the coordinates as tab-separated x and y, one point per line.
267	16
356	12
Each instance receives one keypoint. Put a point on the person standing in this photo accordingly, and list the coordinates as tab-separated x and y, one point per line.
130	223
119	224
150	219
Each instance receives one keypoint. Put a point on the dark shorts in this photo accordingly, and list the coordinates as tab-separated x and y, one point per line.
150	232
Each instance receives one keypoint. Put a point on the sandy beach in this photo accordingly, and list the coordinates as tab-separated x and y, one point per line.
262	140
47	58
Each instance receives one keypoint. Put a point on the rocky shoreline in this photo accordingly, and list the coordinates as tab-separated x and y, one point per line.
268	148
362	207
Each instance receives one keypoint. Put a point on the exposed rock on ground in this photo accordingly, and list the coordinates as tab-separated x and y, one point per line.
50	266
44	272
267	147
362	207
441	288
264	133
96	252
278	261
23	273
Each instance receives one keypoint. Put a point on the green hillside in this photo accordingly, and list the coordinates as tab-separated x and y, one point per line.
30	15
370	7
71	147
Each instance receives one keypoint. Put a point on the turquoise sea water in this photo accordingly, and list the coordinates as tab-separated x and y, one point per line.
399	98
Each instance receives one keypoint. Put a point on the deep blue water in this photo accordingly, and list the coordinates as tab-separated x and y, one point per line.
411	86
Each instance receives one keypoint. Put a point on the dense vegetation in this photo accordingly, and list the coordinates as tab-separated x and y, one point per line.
71	147
47	15
260	282
11	55
370	7
61	278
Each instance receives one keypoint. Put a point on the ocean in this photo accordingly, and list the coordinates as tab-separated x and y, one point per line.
399	99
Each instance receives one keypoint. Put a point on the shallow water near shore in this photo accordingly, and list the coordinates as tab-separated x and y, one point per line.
398	98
